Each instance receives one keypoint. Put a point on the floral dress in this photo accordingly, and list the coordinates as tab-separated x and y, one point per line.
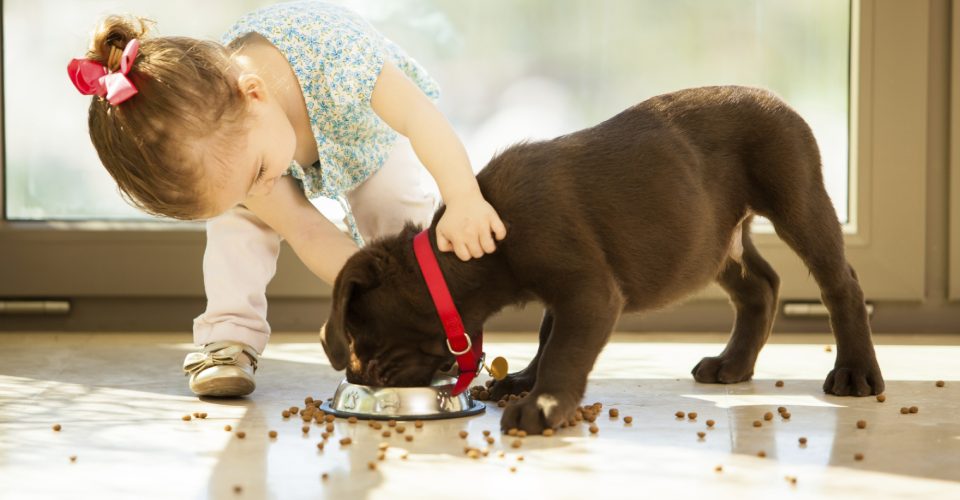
336	56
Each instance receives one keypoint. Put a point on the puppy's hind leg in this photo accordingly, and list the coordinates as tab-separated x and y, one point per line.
753	287
523	380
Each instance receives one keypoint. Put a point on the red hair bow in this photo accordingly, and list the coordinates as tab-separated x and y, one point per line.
91	77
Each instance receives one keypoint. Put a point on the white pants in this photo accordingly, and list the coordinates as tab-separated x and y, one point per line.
241	253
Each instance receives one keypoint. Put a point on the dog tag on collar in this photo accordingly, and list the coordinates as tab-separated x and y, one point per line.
498	368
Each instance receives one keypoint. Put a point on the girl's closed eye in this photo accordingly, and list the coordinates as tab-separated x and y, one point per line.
260	174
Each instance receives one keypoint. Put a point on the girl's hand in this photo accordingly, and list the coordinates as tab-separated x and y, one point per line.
466	228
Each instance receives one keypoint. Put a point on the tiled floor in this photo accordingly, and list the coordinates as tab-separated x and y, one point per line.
120	399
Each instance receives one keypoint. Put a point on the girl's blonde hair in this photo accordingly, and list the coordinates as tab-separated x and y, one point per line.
187	91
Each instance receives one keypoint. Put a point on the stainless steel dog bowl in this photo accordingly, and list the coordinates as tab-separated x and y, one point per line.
402	403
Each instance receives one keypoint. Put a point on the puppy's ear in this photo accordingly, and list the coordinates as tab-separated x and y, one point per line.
357	274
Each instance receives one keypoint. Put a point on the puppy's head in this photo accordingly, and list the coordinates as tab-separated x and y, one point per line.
383	327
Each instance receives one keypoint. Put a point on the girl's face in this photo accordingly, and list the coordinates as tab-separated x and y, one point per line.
269	147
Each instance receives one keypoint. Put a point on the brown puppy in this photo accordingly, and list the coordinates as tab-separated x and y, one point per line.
630	215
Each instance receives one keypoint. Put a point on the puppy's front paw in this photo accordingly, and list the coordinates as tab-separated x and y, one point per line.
537	411
854	379
514	383
722	370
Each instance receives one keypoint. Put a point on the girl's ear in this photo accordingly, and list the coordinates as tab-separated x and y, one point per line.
252	87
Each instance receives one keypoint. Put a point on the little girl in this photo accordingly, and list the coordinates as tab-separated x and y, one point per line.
301	100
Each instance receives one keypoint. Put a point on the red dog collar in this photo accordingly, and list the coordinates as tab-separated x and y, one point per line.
458	342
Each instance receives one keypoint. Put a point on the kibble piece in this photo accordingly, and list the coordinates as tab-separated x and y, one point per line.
404	456
757	423
418	424
285	413
679	414
792	479
306	417
196	414
594	429
881	398
185	418
329	418
345	441
473	453
352	420
718	468
392	423
522	434
383	446
828	348
858	456
463	434
762	454
377	426
781	409
387	434
768	416
272	434
241	434
941	383
486	433
372	465
628	420
329	428
513	469
408	437
305	429
803	441
294	410
320	445
779	383
483	395
710	423
56	427
73	458
861	424
904	410
324	435
614	412
516	443
548	432
227	428
203	414
914	409
381	456
318	419
237	489
324	476
785	415
692	415
307	400
701	434
401	429
490	440
512	432
501	404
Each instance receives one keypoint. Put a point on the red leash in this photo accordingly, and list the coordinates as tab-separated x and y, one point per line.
458	342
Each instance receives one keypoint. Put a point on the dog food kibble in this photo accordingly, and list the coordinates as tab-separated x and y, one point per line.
701	434
463	434
501	404
757	423
305	429
345	441
372	465
401	429
628	420
391	423
803	441
781	409
241	434
718	468
272	434
238	489
294	410
404	456
762	454
512	432
692	415
329	428
785	415
285	413
490	440
307	400
594	429
383	446
548	432
679	414
329	418
227	428
324	476
408	437
306	417
614	412
768	416
196	414
185	418
474	453
858	456
914	409
418	424
320	445
73	458
522	434
828	348
881	398
904	410
710	423
513	469
324	435
516	443
318	418
56	427
861	424
203	414
381	456
483	395
792	479
352	420
779	383
941	383
377	426
486	433
387	434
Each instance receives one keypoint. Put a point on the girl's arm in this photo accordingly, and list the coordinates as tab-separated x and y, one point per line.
468	221
317	241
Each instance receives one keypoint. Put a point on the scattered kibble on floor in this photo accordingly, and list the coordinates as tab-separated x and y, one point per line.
56	427
861	424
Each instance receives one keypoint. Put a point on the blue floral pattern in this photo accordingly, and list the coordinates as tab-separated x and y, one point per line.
336	56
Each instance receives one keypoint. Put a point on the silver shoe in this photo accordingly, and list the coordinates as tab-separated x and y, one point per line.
223	369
